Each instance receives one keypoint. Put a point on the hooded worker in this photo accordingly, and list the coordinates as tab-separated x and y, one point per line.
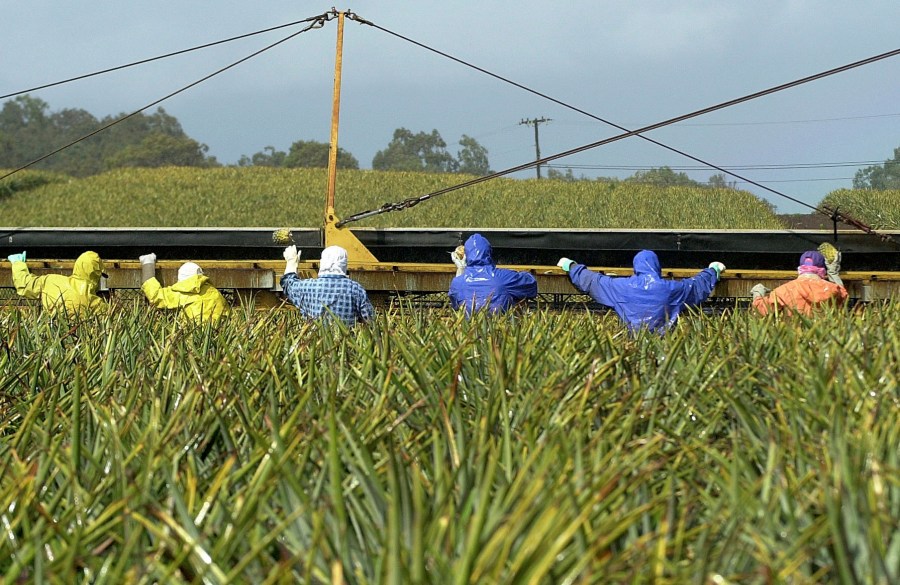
333	293
812	288
645	300
192	295
482	285
76	294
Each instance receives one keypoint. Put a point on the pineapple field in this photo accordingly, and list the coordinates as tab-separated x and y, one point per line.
879	209
540	446
536	447
262	196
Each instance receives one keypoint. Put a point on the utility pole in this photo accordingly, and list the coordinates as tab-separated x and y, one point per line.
537	143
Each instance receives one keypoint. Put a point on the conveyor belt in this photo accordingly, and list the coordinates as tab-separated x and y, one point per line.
744	249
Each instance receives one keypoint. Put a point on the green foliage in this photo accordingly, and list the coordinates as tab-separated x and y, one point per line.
531	448
880	177
26	180
721	181
29	131
303	154
261	196
415	152
267	157
472	157
312	154
568	175
162	150
880	209
664	177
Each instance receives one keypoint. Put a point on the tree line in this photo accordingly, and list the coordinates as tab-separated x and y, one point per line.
29	130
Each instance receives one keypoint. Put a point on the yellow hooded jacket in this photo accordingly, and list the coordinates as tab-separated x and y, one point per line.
76	294
197	299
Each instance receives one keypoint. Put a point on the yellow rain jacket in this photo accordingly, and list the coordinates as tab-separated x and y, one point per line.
197	299
76	294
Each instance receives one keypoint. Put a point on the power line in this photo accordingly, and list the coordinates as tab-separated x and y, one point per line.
807	180
635	168
763	167
767	123
157	58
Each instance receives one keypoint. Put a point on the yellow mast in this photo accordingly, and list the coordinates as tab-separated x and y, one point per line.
334	236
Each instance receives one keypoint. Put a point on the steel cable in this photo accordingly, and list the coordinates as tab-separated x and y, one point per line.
158	57
317	22
388	207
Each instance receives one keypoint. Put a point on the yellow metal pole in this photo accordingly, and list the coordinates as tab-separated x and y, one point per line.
356	251
335	118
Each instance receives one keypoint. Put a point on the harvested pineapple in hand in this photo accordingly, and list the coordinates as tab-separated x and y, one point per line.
459	259
829	252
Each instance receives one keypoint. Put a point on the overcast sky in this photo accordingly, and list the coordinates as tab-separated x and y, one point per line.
633	63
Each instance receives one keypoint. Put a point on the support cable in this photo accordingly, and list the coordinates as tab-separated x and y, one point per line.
388	207
317	22
157	58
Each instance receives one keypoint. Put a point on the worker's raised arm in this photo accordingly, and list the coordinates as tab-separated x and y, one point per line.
697	289
160	297
27	284
587	281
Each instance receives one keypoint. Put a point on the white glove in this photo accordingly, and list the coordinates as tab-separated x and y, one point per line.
565	264
718	267
459	259
759	291
292	258
148	267
834	270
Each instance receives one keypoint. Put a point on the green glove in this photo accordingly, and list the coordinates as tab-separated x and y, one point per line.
718	267
759	291
16	258
565	264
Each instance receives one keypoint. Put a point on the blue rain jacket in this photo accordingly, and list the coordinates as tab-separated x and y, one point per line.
483	284
645	300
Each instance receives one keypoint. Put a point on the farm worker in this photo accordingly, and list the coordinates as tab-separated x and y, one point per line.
645	300
809	290
332	293
195	298
76	294
482	285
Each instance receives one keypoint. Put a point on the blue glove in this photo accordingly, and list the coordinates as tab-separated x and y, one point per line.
565	264
16	258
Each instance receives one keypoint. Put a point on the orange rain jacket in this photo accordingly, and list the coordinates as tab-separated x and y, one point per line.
802	295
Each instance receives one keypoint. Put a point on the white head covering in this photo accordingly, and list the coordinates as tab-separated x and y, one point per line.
334	261
187	270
